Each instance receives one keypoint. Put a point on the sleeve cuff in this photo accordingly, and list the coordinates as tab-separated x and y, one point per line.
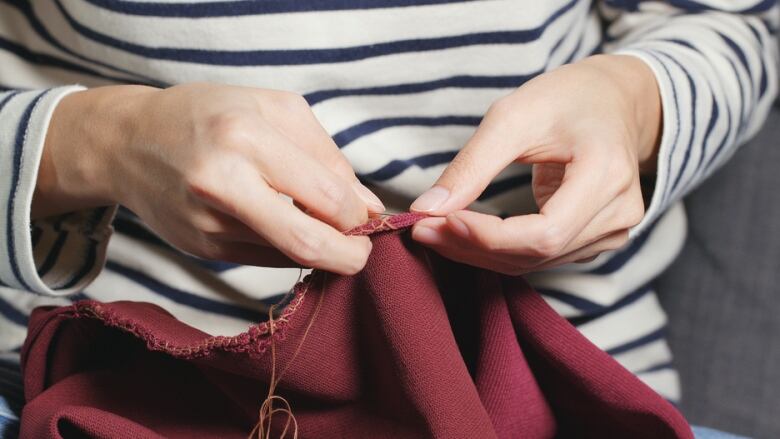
52	256
661	197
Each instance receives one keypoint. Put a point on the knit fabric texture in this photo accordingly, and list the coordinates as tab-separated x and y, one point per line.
414	346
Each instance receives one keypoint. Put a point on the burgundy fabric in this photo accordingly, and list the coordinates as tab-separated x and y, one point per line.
413	346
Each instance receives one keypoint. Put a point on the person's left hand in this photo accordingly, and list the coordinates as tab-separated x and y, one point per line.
587	128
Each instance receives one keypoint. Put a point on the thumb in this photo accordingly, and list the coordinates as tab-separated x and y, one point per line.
491	149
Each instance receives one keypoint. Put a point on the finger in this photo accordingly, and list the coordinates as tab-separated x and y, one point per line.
373	202
506	246
445	243
546	179
523	235
307	132
611	242
579	209
623	212
582	194
620	214
300	237
442	235
502	137
434	232
325	195
545	234
314	139
310	242
432	222
218	226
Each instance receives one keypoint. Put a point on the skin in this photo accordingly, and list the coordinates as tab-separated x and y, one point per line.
204	166
588	129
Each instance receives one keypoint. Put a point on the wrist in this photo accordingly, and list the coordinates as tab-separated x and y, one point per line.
86	136
637	82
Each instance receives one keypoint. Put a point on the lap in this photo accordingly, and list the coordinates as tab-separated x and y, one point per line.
11	398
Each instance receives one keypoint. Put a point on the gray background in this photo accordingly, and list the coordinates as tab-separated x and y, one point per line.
723	294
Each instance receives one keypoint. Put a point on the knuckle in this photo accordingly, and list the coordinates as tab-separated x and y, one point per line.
337	163
549	244
230	128
334	197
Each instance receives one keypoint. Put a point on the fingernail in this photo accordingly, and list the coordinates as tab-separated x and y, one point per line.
458	226
373	202
425	235
431	200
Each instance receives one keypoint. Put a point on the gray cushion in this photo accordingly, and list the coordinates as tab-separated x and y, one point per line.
723	294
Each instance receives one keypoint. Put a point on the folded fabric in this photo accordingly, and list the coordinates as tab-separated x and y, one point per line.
414	346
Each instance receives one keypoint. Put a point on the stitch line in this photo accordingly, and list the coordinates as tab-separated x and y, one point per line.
257	338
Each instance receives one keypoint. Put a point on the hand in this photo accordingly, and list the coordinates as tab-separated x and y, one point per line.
204	166
587	129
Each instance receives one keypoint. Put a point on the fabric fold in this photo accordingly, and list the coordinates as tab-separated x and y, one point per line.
414	346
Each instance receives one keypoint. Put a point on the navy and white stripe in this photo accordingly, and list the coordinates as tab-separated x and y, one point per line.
400	85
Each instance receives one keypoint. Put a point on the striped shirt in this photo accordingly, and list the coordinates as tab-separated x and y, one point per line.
400	85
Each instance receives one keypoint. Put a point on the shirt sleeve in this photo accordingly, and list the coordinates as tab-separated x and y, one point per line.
716	65
52	256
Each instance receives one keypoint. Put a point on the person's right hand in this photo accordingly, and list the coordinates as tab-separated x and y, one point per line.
204	166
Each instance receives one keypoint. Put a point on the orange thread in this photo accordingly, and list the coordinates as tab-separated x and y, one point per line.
262	430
